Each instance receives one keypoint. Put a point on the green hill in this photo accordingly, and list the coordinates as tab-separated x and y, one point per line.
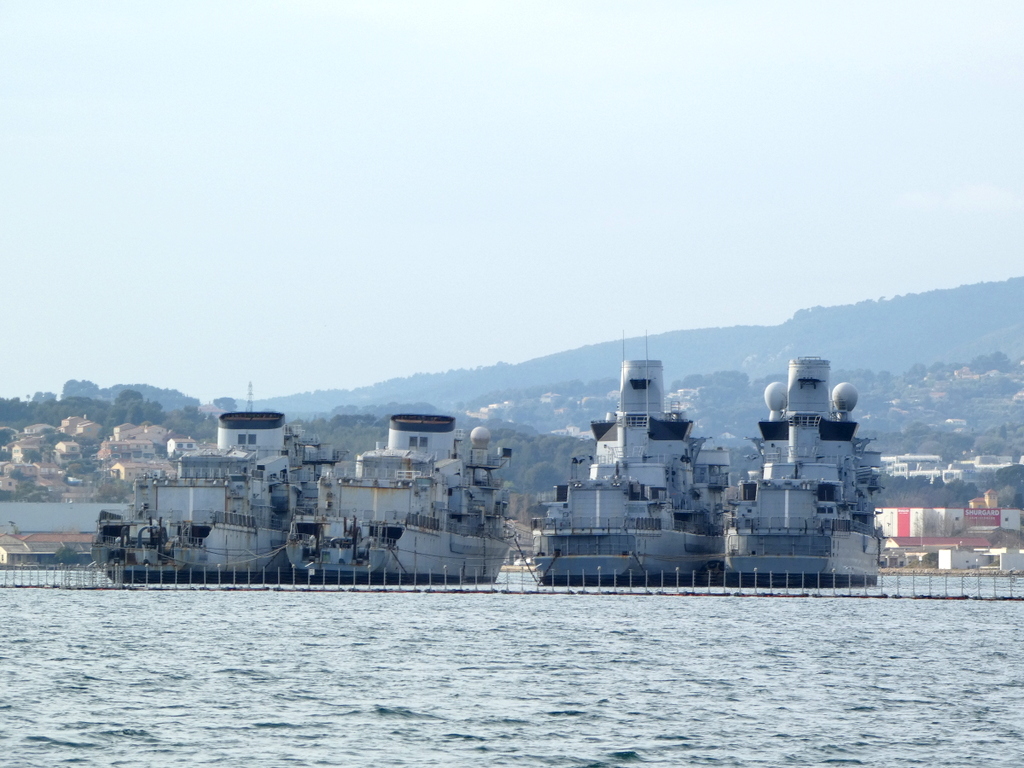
887	334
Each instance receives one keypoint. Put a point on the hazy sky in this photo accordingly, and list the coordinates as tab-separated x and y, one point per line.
312	195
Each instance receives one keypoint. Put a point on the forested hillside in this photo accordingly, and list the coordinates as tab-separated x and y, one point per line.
880	335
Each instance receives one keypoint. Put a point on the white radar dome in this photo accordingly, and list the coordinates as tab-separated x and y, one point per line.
480	437
844	397
775	396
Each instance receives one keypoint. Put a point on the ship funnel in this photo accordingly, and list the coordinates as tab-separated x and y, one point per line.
429	434
641	389
808	390
260	431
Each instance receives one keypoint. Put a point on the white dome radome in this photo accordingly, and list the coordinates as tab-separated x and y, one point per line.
480	437
844	397
775	396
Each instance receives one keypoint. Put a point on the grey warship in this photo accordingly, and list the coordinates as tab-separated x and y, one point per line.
650	511
424	510
806	518
270	505
225	517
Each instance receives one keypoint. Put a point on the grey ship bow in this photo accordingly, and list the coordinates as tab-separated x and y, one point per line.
650	511
807	519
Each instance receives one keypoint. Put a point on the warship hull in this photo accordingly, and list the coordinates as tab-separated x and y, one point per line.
669	558
802	561
417	559
146	554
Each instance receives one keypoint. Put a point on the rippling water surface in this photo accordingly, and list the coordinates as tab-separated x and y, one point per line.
340	678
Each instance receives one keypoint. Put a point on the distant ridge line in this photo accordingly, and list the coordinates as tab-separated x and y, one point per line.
942	325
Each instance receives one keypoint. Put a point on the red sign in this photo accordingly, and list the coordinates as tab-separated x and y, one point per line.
902	522
987	517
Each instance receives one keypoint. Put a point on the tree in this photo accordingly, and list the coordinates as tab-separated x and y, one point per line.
226	403
190	421
130	406
129	396
1011	475
1010	481
66	555
27	491
113	492
75	388
542	477
997	361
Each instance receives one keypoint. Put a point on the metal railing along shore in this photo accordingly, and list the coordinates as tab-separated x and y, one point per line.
893	583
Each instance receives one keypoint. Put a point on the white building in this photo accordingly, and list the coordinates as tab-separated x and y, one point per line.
178	445
933	468
944	521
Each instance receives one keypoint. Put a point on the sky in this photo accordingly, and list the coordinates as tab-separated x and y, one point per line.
313	195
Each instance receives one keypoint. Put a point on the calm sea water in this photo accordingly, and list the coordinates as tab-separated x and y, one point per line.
112	678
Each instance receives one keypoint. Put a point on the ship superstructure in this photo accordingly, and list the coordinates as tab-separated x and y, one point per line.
806	518
650	511
424	510
225	517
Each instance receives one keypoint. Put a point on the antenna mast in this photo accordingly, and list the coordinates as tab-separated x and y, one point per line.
647	375
248	404
622	366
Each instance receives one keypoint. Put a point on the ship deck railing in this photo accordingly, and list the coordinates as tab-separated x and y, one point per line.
548	529
769	525
465	529
426	522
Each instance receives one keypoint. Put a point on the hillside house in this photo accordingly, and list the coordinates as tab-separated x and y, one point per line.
37	429
25	470
19	448
152	432
67	451
178	445
135	448
80	426
130	471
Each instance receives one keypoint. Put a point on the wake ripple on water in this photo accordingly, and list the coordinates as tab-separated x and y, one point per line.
264	678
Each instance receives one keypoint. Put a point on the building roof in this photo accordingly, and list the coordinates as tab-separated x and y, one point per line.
45	543
963	542
83	538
